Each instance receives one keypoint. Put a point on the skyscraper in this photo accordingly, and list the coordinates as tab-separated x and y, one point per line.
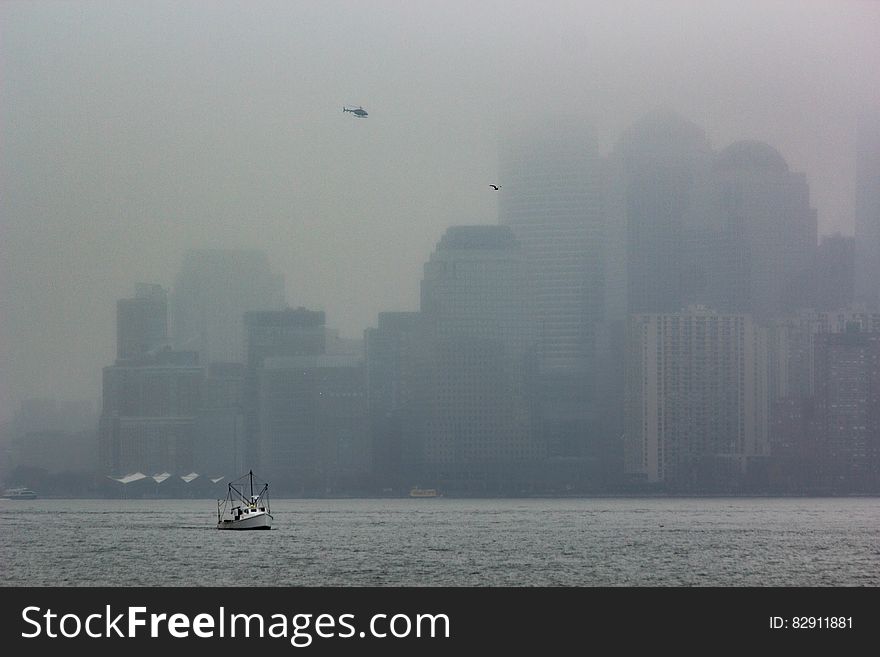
314	434
292	332
661	165
142	321
551	199
868	211
479	334
769	226
151	394
212	291
389	350
149	414
833	280
697	401
847	383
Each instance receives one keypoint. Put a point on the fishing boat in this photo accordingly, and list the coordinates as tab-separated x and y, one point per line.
243	508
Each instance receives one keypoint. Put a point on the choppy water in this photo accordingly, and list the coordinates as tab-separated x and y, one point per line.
447	542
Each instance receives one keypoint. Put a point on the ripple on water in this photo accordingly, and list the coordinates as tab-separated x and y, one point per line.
601	542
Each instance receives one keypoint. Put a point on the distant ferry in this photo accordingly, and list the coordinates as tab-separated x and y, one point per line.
424	492
19	494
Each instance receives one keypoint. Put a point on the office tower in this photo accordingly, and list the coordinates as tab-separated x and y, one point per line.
847	383
808	386
551	198
288	332
148	419
274	333
390	352
867	210
792	341
151	394
769	227
833	274
141	322
53	435
221	438
661	184
696	397
479	335
212	291
314	435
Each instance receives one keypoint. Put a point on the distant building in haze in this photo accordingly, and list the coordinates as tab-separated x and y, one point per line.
289	332
314	435
212	291
847	382
833	274
770	229
306	406
479	335
220	448
696	397
148	419
142	321
151	395
867	209
661	169
51	435
391	354
552	200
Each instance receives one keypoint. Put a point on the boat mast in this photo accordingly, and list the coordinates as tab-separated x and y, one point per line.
252	485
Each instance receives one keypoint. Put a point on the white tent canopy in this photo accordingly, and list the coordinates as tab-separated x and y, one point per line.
162	476
127	479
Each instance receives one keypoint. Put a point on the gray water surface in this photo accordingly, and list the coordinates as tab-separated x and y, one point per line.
447	542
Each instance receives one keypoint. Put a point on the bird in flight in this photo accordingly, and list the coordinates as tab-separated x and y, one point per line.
495	187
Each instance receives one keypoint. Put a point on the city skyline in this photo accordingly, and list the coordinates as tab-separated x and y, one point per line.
108	179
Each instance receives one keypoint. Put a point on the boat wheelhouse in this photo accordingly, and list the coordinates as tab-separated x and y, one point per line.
243	507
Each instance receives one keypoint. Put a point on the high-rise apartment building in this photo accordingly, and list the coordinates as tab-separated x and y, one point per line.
847	384
697	399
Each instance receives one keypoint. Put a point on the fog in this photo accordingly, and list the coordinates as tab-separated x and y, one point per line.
133	131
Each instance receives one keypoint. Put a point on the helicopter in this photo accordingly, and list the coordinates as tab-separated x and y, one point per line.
359	112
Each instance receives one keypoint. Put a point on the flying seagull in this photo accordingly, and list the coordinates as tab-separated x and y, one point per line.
495	187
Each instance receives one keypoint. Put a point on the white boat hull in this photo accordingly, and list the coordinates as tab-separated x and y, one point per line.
259	520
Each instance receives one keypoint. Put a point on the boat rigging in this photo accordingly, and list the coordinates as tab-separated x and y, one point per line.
243	508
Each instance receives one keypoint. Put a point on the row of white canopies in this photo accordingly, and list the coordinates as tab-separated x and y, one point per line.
159	478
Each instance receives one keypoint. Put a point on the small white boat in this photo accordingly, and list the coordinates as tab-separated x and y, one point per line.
19	494
424	492
243	508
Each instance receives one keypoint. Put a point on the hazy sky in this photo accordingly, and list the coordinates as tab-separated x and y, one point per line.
131	131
